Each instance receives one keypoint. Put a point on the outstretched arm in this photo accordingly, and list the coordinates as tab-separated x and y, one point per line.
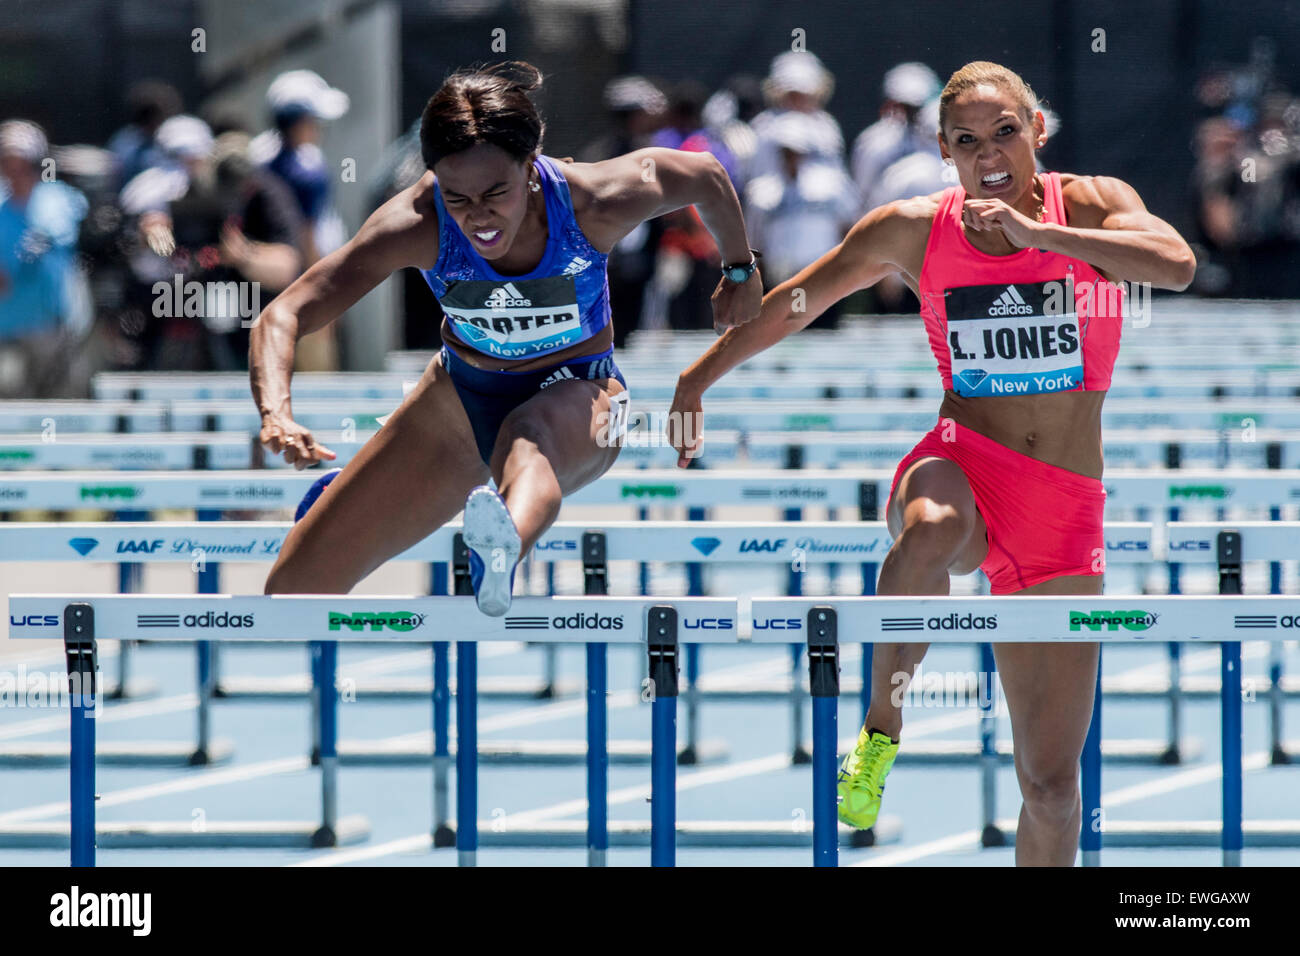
641	185
881	243
314	300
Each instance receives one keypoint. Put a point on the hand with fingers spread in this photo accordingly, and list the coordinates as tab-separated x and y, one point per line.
984	215
281	434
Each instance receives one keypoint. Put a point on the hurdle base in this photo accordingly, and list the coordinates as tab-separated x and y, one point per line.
1126	751
690	833
1192	687
444	836
395	688
255	834
136	753
137	688
1150	834
552	753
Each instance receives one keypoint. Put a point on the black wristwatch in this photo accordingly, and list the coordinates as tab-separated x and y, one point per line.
741	273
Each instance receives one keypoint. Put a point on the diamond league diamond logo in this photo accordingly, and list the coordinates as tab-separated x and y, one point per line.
705	546
83	546
972	377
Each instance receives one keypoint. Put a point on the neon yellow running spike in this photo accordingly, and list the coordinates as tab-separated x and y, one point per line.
862	778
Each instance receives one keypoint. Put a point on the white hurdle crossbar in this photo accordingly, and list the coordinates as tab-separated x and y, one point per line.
654	625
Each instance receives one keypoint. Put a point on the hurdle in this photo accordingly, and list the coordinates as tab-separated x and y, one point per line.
1195	619
593	620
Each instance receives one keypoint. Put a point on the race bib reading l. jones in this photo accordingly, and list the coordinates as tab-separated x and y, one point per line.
516	319
1019	339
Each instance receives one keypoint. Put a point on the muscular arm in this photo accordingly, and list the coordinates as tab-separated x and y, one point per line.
887	240
393	237
629	189
1117	235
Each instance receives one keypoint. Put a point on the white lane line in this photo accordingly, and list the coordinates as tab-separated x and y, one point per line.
200	780
107	715
221	776
730	772
969	840
411	844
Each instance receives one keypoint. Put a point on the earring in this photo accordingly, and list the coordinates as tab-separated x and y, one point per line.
535	186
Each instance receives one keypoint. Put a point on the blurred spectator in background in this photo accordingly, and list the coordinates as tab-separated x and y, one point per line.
209	216
1247	182
799	213
637	108
726	116
686	266
798	83
300	101
150	103
901	130
39	280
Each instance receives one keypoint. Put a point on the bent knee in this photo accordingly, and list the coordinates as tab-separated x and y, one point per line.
935	532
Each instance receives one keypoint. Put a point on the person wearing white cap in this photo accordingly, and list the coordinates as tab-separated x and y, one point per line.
300	101
798	82
900	131
795	215
39	224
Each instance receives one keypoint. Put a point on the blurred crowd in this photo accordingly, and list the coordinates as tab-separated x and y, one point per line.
157	250
1247	181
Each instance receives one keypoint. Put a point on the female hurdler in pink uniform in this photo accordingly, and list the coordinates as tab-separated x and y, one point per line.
1017	274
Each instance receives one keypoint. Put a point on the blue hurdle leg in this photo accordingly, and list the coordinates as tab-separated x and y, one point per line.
82	779
663	781
467	752
1231	719
597	756
1090	835
825	715
327	669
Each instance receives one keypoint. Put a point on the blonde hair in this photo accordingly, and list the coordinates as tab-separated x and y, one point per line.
982	72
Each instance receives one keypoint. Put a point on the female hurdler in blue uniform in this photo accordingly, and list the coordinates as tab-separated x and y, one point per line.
525	388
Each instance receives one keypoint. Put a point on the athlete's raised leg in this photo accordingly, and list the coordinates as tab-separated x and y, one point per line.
552	445
1049	692
405	483
937	529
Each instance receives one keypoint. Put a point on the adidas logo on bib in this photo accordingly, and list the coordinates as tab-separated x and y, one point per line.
1010	303
506	297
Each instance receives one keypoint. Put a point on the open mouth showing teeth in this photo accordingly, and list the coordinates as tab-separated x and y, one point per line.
488	236
996	179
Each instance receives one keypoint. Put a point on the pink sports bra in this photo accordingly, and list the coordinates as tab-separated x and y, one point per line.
1022	324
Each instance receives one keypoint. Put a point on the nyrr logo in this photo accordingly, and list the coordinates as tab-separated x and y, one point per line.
401	621
1010	302
709	624
768	545
1113	620
139	547
1199	492
650	491
778	624
109	492
506	297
